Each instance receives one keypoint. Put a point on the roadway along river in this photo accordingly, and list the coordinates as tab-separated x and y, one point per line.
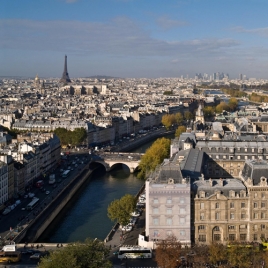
86	215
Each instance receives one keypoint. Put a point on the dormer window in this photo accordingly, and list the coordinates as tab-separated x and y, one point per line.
202	194
231	193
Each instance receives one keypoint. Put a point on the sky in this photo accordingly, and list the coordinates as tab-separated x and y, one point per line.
134	38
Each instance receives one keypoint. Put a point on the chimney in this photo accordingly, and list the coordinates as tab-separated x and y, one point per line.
221	182
210	182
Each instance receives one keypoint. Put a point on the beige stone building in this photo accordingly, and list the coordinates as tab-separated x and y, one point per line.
232	209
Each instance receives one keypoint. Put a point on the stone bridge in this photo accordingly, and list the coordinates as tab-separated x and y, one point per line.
110	159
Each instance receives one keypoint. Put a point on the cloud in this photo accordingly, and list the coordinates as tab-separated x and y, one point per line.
166	23
258	31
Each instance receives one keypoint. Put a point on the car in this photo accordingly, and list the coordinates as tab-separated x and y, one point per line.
6	211
31	195
25	196
35	256
17	202
47	192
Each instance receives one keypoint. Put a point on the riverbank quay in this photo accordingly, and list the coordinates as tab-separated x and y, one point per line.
132	144
33	231
17	223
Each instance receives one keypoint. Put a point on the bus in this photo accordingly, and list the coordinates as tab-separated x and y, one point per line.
66	173
10	256
33	203
134	252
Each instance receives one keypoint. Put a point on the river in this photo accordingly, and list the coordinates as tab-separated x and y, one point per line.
86	216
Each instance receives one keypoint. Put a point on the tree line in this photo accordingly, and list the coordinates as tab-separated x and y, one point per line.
71	138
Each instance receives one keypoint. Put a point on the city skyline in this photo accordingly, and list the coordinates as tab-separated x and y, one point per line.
134	38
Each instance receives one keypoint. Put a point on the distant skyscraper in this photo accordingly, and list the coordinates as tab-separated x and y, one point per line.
65	76
240	77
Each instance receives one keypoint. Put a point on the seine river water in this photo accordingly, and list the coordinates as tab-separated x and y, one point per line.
86	215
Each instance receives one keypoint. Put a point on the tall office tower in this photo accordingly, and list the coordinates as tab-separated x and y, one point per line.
65	76
240	77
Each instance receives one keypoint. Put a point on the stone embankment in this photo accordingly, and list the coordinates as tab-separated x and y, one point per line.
37	226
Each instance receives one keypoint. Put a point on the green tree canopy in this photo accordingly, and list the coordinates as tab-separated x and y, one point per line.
120	209
180	130
68	137
223	106
154	156
91	253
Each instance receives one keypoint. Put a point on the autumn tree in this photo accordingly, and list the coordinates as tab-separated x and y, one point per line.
223	106
178	118
240	255
154	156
188	115
208	111
91	253
168	120
180	130
120	209
217	253
167	253
233	104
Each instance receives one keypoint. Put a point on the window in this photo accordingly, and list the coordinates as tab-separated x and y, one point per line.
201	227
216	228
232	216
238	157
232	237
202	216
182	232
243	205
169	233
169	221
231	227
182	220
262	205
243	237
217	237
182	211
243	216
202	238
182	201
155	201
169	200
255	215
202	205
217	205
155	221
255	237
202	194
156	233
255	227
255	195
217	216
263	226
263	216
169	210
255	205
232	205
155	210
246	157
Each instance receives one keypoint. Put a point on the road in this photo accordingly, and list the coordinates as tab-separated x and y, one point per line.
19	217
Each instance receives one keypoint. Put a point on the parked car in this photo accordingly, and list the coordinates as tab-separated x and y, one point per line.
35	256
17	202
47	192
31	195
6	211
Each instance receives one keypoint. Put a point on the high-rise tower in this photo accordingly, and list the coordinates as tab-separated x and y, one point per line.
65	76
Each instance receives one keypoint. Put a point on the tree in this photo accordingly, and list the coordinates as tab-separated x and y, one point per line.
208	111
178	118
168	120
68	137
154	156
167	253
180	130
240	255
120	209
188	115
233	103
222	107
217	253
91	253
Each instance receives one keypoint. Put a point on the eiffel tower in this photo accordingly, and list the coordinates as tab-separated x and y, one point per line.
65	76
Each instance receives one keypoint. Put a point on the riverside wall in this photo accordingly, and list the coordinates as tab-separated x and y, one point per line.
36	227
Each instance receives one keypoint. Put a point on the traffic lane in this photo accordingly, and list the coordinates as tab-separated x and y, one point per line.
20	217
